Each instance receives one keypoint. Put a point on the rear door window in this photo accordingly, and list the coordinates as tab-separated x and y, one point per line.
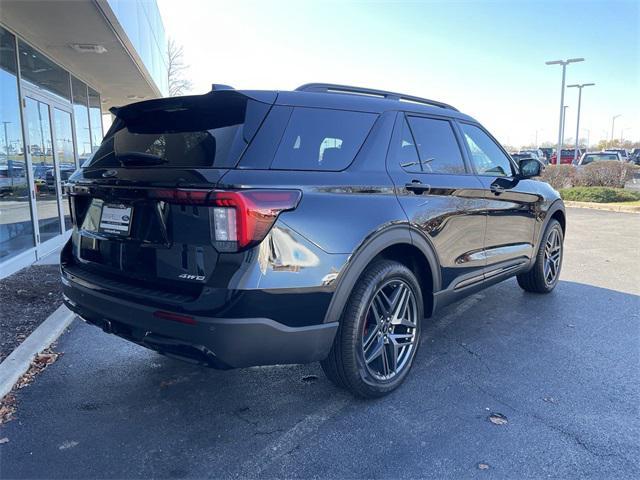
321	139
438	148
202	131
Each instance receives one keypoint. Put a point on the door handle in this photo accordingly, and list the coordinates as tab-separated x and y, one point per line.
417	187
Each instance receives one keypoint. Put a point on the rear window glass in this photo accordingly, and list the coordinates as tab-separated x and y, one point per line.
320	139
599	158
205	131
437	146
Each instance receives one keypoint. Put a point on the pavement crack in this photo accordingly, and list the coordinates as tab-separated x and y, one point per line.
474	354
574	437
570	435
494	396
269	432
291	439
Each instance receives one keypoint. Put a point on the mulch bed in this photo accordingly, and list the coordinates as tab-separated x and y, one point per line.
27	298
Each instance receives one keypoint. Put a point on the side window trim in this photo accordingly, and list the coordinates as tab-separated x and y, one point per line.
405	122
514	168
454	128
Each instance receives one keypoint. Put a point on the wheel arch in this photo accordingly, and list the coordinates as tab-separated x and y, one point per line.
393	243
560	216
554	212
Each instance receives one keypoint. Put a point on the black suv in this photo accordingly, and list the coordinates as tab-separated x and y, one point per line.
242	228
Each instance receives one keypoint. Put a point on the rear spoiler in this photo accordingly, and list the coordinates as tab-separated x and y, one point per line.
190	101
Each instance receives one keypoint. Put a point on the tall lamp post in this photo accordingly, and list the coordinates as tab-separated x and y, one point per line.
579	87
564	64
564	119
613	124
588	137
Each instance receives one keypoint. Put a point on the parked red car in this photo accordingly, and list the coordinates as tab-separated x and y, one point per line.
566	156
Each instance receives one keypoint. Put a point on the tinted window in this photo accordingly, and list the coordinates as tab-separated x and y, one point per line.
486	156
319	139
408	155
202	131
437	147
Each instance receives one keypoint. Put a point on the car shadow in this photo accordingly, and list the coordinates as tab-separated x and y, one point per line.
527	356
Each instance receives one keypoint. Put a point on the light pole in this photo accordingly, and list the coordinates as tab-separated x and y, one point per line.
588	136
579	87
613	124
564	118
564	64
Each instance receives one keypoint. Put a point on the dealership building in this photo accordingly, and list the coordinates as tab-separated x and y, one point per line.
63	64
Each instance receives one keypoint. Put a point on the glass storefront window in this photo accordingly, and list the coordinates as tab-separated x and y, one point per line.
42	161
95	116
64	155
16	227
38	70
81	116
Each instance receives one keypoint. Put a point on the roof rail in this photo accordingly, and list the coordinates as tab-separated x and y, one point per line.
219	86
334	88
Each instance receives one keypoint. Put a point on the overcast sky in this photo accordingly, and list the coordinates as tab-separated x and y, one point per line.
485	58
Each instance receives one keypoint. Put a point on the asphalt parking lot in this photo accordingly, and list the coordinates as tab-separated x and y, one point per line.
563	369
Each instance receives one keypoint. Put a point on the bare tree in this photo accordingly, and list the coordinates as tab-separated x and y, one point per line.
176	69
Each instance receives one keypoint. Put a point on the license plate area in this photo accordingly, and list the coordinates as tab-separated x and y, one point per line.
115	219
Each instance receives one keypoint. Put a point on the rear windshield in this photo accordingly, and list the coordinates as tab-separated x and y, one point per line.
200	131
322	139
599	158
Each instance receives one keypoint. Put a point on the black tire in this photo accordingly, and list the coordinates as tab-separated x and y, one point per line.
346	366
537	279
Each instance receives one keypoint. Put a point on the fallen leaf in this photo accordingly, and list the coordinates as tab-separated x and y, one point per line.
173	381
7	408
309	379
68	444
498	419
4	440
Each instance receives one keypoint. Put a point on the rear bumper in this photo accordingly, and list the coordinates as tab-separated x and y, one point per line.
217	342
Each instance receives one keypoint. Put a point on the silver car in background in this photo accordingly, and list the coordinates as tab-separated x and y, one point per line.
592	157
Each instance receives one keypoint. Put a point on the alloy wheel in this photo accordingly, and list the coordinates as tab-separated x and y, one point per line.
552	257
390	330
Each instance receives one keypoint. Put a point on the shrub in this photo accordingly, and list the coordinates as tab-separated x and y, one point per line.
603	174
599	194
559	176
598	174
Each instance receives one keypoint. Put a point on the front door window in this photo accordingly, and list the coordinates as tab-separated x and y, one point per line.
486	156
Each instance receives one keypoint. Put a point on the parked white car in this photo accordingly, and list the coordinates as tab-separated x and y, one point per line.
592	157
624	155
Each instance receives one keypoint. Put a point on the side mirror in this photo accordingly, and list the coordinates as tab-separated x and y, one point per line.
530	167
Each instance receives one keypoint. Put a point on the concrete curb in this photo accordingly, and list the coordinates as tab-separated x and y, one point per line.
18	362
604	206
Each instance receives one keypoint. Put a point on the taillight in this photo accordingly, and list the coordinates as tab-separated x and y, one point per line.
238	219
